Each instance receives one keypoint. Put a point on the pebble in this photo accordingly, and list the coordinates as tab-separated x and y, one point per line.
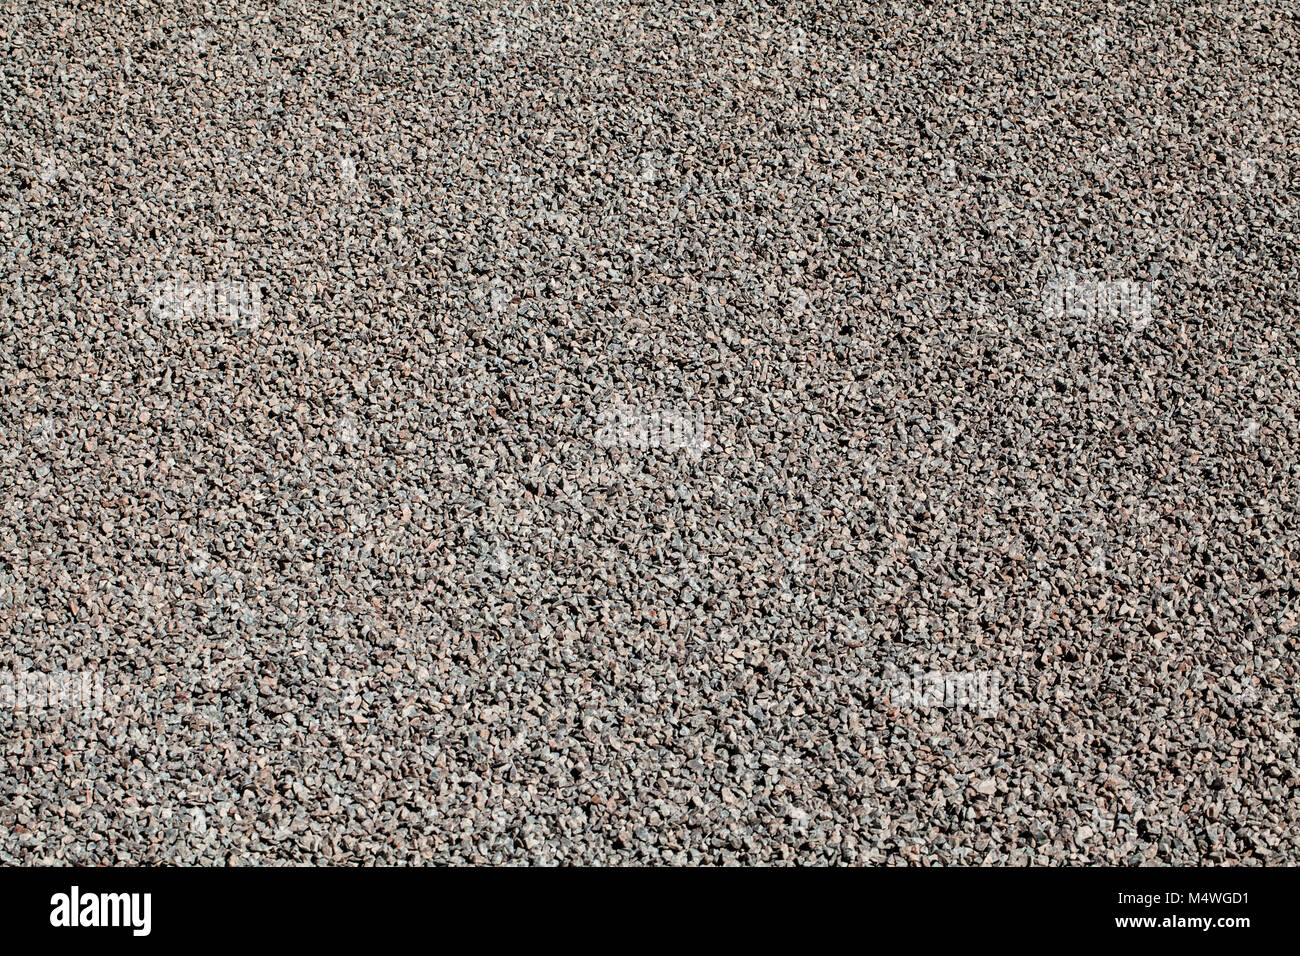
311	328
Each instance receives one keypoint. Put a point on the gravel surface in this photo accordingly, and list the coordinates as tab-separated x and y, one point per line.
622	432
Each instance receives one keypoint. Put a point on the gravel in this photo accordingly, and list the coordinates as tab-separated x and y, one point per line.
623	432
